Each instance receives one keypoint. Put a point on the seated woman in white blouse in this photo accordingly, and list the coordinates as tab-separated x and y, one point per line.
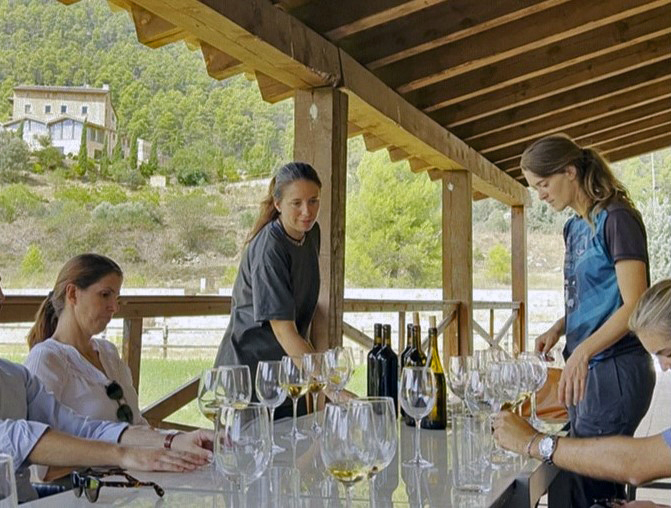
83	373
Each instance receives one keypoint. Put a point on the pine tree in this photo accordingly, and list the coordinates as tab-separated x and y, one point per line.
117	153
104	160
19	131
132	157
83	157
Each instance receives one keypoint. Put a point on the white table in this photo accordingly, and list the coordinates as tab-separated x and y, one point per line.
518	484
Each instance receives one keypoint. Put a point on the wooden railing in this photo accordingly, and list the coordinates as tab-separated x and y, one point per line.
493	337
132	309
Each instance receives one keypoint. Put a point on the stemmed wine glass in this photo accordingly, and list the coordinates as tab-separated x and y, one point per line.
417	393
207	400
348	443
386	433
242	445
339	366
270	393
504	379
457	375
315	371
234	385
294	381
539	376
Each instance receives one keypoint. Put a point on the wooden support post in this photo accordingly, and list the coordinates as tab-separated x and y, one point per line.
458	257
132	348
321	140
518	232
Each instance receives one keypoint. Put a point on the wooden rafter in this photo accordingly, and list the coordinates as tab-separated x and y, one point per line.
152	30
272	90
219	65
514	38
639	149
538	62
583	73
577	100
648	135
434	26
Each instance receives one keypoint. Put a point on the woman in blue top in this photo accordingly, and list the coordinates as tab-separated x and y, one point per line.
277	286
608	379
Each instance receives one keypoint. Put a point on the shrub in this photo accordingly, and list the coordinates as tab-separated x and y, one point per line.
16	200
75	194
14	156
33	261
498	264
111	193
127	215
192	177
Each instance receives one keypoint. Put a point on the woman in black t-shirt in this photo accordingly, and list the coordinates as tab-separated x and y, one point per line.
277	286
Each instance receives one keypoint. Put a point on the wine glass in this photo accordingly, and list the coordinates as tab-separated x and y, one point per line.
386	433
315	371
339	366
234	385
504	379
293	380
417	393
540	374
348	443
270	393
207	400
479	394
242	445
457	374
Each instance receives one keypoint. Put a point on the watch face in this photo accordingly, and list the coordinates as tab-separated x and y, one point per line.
546	447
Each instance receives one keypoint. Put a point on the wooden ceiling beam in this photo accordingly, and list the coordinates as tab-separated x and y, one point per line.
579	75
397	154
373	143
261	36
552	58
272	91
346	17
377	109
353	130
434	26
639	149
511	39
418	165
575	99
634	139
219	65
508	157
152	30
567	119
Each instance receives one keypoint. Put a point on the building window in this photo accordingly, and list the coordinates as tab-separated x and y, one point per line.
64	109
85	110
47	109
26	108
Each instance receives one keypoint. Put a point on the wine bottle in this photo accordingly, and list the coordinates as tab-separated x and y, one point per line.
416	358
437	418
373	375
387	365
404	360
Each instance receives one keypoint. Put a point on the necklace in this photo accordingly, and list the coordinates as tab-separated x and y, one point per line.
297	243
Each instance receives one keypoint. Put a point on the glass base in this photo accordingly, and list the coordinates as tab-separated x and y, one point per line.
277	449
294	436
421	462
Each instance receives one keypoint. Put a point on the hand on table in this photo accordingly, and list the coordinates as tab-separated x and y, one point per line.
199	442
159	459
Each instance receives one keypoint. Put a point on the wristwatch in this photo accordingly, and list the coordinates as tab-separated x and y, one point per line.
547	447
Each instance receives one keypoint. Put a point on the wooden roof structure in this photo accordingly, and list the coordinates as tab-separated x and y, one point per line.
449	84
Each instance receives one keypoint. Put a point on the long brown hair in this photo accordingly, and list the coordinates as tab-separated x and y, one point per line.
82	271
550	155
286	175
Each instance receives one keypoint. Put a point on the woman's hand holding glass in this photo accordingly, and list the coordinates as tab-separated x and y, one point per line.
270	393
234	385
417	393
242	445
316	372
348	442
207	401
294	381
339	366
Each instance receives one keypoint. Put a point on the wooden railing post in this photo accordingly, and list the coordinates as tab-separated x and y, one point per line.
401	332
132	348
518	237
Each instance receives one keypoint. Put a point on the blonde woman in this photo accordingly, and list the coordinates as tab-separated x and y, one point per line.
619	458
608	380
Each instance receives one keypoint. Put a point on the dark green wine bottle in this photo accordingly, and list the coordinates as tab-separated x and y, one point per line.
416	358
373	374
437	418
387	365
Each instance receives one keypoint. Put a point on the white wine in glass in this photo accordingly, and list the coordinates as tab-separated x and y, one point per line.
207	402
315	371
270	393
294	381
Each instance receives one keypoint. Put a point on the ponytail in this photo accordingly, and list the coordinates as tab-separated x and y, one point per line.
267	212
46	321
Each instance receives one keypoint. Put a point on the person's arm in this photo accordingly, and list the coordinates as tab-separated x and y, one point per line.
198	443
632	282
58	449
547	340
618	458
289	338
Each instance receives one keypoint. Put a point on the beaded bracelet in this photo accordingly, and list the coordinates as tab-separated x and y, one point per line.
167	442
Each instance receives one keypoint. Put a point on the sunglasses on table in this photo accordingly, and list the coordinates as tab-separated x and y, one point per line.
124	413
90	481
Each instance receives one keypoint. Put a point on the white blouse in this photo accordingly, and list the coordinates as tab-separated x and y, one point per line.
76	383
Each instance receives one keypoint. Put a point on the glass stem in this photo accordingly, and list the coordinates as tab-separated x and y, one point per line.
418	455
272	427
348	495
534	416
371	491
315	398
243	494
294	429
